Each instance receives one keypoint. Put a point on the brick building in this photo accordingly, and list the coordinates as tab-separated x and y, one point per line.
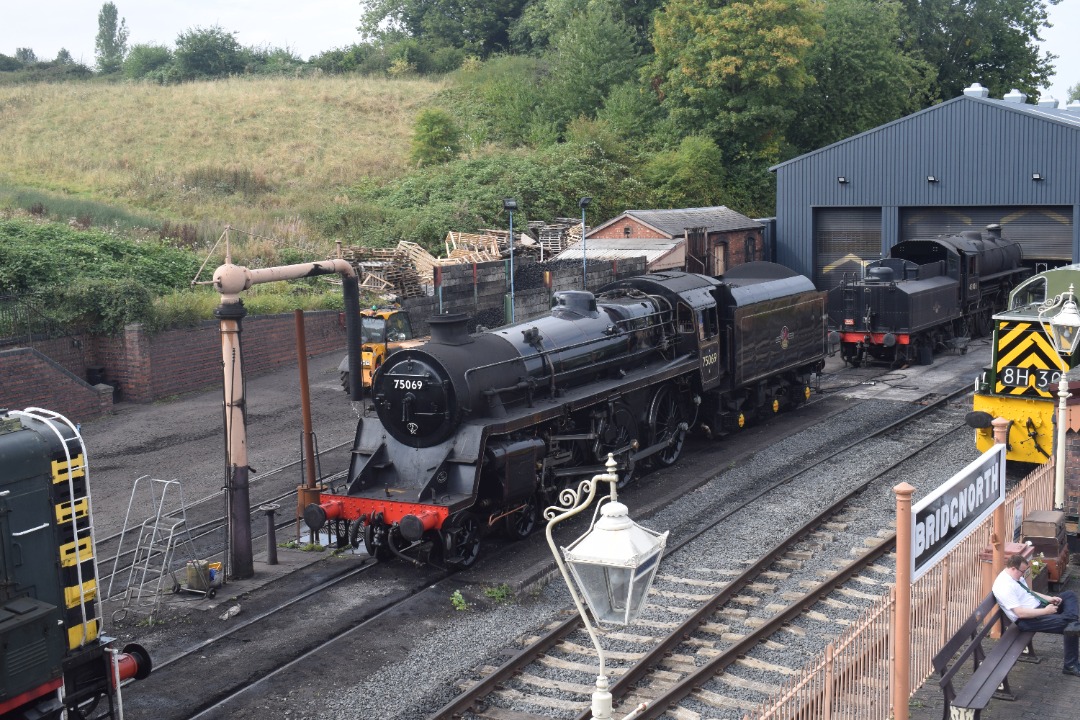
707	240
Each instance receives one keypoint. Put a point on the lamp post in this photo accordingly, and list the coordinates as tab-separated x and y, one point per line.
510	205
613	563
584	203
1063	329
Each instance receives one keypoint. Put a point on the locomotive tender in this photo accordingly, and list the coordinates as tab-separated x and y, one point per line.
928	295
55	661
477	432
1021	382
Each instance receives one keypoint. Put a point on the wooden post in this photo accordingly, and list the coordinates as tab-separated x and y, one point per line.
902	630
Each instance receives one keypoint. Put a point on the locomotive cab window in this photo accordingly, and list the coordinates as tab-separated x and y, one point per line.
1030	294
707	325
686	319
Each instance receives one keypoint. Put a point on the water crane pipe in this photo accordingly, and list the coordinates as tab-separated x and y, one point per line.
230	280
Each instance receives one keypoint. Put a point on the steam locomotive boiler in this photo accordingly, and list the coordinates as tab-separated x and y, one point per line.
478	432
55	663
928	295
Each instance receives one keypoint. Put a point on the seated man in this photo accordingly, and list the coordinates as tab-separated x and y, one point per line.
1041	613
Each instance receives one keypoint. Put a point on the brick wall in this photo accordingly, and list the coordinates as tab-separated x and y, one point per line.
30	379
145	367
618	230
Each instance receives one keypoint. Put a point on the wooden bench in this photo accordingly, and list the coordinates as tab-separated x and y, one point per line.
990	673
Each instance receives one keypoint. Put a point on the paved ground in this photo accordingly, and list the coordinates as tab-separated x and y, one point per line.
1042	692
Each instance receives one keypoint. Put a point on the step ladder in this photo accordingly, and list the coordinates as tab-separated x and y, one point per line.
162	538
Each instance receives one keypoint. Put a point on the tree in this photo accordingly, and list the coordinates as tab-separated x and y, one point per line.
1074	93
991	42
544	19
478	27
732	70
862	75
210	52
63	57
436	138
26	56
110	47
592	54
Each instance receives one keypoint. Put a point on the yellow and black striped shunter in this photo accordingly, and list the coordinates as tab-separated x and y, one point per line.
53	658
1021	382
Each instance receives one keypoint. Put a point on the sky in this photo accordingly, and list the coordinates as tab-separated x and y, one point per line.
309	27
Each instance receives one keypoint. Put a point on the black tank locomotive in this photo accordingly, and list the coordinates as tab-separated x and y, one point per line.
56	661
930	294
476	432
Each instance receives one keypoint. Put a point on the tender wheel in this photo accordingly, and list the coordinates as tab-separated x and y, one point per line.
667	423
461	541
520	524
377	542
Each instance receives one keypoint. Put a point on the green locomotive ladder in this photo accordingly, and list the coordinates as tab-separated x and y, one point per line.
70	493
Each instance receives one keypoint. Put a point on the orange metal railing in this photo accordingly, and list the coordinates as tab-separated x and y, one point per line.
851	680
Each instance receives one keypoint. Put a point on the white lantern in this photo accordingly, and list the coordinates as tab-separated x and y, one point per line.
614	564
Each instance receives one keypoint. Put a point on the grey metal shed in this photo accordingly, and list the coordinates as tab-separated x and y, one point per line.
959	165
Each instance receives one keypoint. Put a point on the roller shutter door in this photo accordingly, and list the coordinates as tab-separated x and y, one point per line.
1045	232
843	239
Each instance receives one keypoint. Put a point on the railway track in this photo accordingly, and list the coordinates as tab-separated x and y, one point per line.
341	634
716	639
205	529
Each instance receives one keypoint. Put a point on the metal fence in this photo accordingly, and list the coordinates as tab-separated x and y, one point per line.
853	677
22	322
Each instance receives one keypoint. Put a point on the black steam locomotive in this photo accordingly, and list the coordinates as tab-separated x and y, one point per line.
927	296
481	431
55	662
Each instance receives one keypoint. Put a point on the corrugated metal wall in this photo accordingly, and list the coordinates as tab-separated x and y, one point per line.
1045	232
844	238
981	153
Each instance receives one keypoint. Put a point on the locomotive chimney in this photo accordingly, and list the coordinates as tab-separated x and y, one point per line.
994	229
450	329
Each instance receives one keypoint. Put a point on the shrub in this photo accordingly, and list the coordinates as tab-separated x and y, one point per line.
103	306
144	61
208	52
436	138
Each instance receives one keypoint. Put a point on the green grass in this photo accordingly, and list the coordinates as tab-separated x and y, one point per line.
261	154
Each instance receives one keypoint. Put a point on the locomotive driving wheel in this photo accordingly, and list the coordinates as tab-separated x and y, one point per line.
461	540
616	430
667	423
519	524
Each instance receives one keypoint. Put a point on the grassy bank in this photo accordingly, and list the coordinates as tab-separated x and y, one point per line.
260	154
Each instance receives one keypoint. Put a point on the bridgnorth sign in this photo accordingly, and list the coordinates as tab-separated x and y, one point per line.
946	516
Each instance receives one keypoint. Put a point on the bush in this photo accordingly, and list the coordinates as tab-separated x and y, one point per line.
207	53
102	306
436	138
147	61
